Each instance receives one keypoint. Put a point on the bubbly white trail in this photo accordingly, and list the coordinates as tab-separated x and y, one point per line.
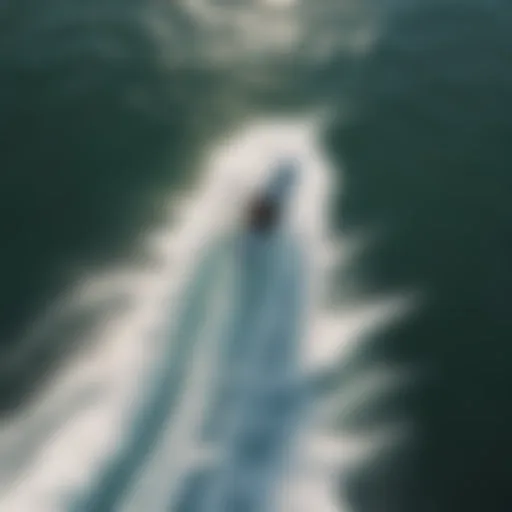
135	441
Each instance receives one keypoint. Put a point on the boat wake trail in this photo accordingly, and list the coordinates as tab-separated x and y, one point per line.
210	417
258	390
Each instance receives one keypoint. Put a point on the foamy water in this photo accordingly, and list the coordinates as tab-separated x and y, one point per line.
84	418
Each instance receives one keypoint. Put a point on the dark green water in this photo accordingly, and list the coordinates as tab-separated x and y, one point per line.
428	165
101	114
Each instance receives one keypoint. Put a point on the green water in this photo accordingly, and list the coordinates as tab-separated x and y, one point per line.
105	107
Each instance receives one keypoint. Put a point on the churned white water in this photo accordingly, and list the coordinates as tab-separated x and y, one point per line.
119	426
